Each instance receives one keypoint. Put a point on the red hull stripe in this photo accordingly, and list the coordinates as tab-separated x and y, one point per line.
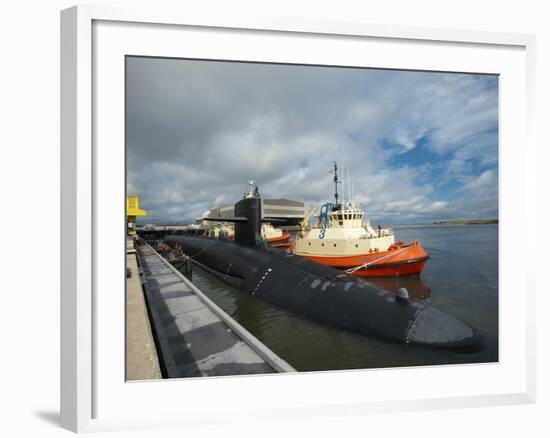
388	265
395	271
285	236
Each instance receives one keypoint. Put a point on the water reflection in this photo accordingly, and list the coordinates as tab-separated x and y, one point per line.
245	309
414	285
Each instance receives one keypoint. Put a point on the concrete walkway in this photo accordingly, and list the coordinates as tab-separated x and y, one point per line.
141	355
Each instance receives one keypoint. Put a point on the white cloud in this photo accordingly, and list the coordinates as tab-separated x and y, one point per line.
197	131
485	183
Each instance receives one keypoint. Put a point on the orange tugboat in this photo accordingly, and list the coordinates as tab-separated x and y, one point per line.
275	237
345	240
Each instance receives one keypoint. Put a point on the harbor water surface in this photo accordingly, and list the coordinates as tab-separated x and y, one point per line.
460	278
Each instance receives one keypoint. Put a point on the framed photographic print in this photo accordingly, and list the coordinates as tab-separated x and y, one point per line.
252	209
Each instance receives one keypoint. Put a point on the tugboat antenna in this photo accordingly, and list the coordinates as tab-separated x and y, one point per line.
336	182
349	185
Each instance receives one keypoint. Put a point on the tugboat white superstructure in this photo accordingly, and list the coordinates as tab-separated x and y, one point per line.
345	239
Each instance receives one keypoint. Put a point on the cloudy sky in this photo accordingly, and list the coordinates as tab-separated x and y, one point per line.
419	146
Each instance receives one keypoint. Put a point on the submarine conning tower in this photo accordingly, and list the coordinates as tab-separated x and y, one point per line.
248	217
250	207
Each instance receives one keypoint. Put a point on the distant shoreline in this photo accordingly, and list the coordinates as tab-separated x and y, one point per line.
462	222
468	222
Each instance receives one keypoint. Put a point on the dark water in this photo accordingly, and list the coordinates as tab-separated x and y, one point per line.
461	278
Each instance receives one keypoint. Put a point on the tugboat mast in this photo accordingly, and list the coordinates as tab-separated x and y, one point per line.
336	182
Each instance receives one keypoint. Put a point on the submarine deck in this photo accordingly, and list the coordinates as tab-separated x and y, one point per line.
195	337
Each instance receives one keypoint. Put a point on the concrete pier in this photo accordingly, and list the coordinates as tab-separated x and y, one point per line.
141	355
196	337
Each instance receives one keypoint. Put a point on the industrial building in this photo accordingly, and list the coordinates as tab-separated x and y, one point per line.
293	212
223	210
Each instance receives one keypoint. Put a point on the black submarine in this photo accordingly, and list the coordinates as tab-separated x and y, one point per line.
316	291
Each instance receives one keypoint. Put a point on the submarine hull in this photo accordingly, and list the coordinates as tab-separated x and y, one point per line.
325	294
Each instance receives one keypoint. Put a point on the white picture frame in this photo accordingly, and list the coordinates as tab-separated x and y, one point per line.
93	397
